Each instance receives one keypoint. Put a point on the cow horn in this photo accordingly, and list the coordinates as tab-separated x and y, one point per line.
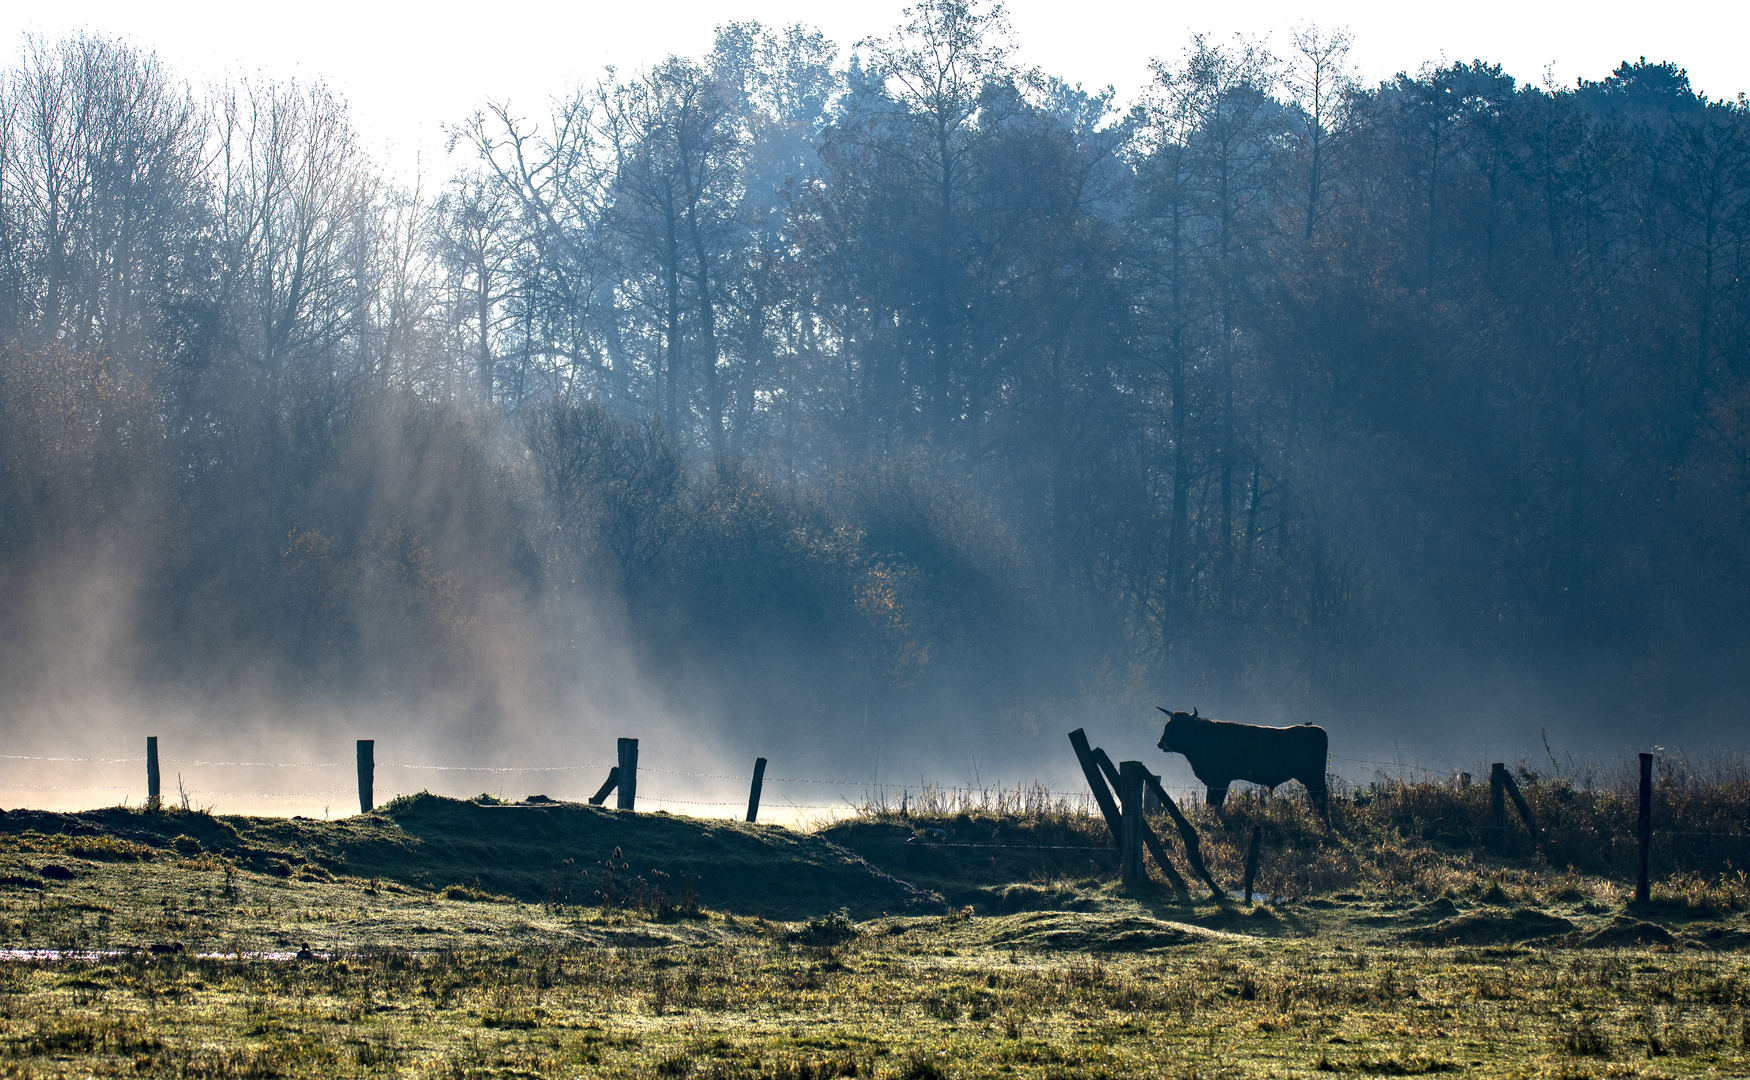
1164	709
1193	712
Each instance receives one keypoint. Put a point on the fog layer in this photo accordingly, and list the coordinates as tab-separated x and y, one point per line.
886	417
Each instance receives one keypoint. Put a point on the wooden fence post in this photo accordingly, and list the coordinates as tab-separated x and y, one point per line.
1193	853
154	801
753	796
1252	859
1644	887
1097	784
602	793
1524	809
1132	871
367	755
628	773
1498	806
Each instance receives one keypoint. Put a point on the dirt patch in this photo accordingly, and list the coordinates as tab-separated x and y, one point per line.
1627	932
1492	927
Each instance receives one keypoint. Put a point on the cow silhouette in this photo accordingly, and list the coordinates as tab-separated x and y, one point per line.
1221	752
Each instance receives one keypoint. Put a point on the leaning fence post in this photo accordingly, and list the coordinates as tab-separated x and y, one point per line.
153	799
1132	871
1644	887
1524	809
1097	784
1498	806
1252	860
1193	854
367	755
613	781
753	796
628	773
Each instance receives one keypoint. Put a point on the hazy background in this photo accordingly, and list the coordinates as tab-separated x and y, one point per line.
870	399
408	72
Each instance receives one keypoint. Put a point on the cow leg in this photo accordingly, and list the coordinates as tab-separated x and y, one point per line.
1216	796
1321	799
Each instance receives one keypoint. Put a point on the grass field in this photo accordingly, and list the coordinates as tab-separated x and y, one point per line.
454	939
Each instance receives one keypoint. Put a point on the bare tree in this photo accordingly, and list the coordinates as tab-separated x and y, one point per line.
1320	79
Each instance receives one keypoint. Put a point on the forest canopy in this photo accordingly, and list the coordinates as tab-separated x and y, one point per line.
813	389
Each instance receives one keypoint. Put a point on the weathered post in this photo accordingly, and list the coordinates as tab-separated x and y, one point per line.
753	796
1252	860
1524	809
1132	871
1104	761
628	773
1644	887
153	799
602	793
1193	854
1097	784
1498	806
367	755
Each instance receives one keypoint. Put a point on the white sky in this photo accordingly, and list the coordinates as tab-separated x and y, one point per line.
407	69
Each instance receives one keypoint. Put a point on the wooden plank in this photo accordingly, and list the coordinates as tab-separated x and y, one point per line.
1644	886
1159	851
1498	806
602	793
628	774
367	762
1193	851
1252	859
753	796
1097	784
1132	871
1524	809
154	800
1102	759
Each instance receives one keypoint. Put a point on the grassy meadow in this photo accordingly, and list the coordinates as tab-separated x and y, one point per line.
965	938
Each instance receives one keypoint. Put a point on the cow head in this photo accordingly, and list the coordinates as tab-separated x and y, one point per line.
1172	738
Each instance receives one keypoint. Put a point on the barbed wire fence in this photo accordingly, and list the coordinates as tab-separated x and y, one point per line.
852	795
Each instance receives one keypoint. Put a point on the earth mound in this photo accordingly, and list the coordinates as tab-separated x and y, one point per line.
1091	933
1627	932
1433	911
539	852
1491	927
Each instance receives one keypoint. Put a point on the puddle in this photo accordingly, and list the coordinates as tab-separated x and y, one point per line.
88	955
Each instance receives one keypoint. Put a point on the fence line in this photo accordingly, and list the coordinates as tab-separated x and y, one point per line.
860	784
263	764
869	789
105	760
73	787
495	768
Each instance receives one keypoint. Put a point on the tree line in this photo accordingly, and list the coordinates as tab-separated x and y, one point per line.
914	383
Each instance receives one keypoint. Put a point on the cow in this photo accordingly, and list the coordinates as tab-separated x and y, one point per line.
1221	752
